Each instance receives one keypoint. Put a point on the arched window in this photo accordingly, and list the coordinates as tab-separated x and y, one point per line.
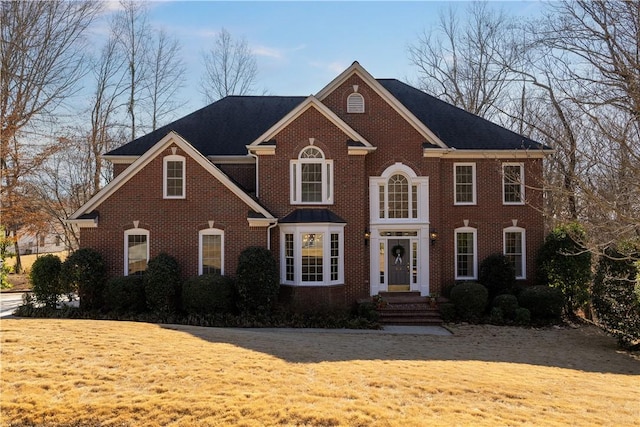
355	103
311	178
398	198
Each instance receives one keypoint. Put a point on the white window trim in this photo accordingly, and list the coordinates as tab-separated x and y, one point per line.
357	108
422	182
133	232
474	231
295	179
211	232
522	197
174	158
473	184
523	233
298	230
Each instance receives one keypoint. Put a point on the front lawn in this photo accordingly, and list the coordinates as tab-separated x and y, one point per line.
102	373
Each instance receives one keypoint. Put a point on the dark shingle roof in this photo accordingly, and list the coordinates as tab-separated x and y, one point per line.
222	128
312	216
455	127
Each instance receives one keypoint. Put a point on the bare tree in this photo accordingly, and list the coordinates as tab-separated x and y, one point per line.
132	31
230	68
458	61
167	71
42	60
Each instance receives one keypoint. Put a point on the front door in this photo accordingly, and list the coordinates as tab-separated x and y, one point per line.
399	262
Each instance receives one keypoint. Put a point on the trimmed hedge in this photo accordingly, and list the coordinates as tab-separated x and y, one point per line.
45	280
497	274
257	280
84	271
544	303
470	299
162	284
125	294
208	294
507	303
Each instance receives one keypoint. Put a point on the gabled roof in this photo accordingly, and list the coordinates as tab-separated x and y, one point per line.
455	127
81	214
312	216
310	102
225	127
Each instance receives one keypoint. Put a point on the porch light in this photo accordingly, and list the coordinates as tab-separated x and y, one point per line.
433	235
367	236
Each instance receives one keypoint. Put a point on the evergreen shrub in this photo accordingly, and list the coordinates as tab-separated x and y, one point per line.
257	280
162	284
84	272
208	294
125	294
470	299
45	280
543	302
507	303
497	274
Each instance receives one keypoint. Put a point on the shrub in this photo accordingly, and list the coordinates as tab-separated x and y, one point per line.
447	312
544	303
497	274
470	299
564	263
208	294
523	316
615	299
84	272
162	284
497	316
45	280
367	310
507	303
125	294
257	280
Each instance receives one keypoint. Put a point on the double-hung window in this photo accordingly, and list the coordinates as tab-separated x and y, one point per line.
513	183
464	183
211	251
312	255
398	198
136	251
466	247
514	249
174	177
311	178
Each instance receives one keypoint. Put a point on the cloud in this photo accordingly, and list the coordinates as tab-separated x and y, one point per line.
334	67
275	52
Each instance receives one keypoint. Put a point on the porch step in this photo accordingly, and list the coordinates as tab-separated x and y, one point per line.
408	308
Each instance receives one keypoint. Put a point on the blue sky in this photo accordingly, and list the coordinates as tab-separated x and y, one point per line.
301	46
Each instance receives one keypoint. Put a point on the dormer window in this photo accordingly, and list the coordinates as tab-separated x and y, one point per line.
311	178
355	103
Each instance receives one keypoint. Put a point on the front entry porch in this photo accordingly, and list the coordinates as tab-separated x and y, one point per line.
407	308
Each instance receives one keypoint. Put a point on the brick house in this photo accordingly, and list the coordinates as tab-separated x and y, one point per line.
367	186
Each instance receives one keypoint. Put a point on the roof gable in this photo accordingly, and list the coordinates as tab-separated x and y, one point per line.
169	139
310	102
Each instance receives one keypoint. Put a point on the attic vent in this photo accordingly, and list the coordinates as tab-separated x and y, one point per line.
355	103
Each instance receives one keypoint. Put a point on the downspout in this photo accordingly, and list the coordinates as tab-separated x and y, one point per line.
269	228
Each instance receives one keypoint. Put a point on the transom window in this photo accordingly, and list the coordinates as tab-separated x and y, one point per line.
311	178
136	251
174	177
211	253
312	255
466	262
514	249
465	183
513	183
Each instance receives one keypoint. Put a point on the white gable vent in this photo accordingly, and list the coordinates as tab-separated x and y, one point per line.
355	103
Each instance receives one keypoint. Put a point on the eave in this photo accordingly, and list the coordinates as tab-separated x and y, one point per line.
452	153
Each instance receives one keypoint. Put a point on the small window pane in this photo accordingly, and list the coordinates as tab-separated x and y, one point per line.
136	253
174	178
398	191
464	184
465	255
311	182
335	256
289	257
512	184
513	250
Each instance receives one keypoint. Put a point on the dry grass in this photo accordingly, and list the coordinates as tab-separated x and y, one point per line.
71	372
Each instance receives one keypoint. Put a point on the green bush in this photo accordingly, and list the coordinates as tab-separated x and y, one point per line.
564	263
368	311
45	280
84	272
162	284
615	300
507	303
447	312
523	316
497	274
496	316
125	294
257	280
544	303
470	299
210	293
